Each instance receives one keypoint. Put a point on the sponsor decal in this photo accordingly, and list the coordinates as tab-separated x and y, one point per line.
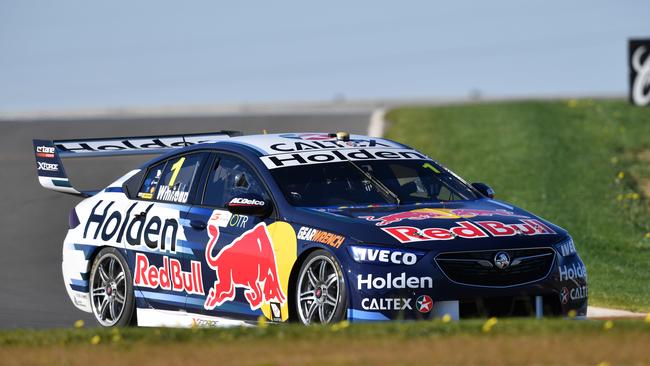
386	304
572	272
363	254
323	142
248	262
225	218
567	248
45	151
168	277
469	230
113	225
437	213
576	293
276	312
205	323
48	167
140	143
238	221
639	69
172	194
220	218
307	136
343	154
239	201
401	281
320	236
424	304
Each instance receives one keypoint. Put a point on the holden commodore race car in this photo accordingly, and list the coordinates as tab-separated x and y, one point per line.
221	229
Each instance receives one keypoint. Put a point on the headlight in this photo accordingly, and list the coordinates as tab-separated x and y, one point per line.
375	255
566	248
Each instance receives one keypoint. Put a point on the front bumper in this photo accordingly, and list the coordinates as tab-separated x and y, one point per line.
424	291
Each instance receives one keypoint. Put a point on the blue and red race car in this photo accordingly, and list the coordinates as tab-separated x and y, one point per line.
220	229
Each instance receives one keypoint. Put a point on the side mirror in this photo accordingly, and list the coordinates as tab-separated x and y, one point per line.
250	204
484	189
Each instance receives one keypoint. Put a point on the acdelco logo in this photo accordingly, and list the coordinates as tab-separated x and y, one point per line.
48	167
238	201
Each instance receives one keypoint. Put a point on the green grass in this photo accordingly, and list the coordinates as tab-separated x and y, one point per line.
292	332
469	342
581	164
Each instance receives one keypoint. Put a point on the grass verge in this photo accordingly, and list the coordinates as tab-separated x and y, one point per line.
582	164
505	342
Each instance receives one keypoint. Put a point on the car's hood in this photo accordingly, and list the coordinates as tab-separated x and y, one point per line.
460	225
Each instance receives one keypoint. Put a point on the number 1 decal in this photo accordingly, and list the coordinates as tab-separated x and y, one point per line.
176	168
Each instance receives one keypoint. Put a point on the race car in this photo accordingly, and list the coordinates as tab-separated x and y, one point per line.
221	229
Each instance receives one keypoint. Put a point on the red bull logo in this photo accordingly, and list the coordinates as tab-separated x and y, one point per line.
248	262
437	213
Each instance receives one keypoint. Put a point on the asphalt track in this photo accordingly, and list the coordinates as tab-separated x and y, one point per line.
33	221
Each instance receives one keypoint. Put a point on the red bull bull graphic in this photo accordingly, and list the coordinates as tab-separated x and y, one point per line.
248	262
437	213
469	230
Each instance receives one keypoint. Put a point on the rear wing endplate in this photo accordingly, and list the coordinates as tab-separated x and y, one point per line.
49	153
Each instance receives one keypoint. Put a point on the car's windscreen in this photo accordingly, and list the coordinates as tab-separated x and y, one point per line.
369	182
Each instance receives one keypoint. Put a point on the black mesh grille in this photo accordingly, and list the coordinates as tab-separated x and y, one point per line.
477	267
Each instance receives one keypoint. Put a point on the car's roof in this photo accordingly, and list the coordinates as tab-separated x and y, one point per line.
269	144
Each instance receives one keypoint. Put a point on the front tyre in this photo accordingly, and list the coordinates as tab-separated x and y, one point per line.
321	295
111	289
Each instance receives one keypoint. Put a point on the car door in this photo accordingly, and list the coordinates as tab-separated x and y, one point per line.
163	271
232	246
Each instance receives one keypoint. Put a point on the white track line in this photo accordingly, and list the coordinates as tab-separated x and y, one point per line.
596	312
377	123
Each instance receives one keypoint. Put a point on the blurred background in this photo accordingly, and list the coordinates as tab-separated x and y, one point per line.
73	54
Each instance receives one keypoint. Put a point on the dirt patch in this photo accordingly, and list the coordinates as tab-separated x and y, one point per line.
611	346
643	156
644	186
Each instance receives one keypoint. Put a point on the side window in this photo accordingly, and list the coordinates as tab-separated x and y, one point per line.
231	177
151	181
172	181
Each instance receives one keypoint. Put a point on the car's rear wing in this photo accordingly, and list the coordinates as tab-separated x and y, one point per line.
49	153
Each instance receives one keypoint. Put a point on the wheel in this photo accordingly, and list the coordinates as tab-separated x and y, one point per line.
111	289
321	295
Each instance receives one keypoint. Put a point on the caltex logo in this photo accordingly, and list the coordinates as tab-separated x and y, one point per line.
564	295
424	304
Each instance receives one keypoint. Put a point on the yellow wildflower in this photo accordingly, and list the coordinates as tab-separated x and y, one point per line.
608	325
340	325
572	313
487	326
261	322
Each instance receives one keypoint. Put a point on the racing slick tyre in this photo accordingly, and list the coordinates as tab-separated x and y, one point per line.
111	289
321	296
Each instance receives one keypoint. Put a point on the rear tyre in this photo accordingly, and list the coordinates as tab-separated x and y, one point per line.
111	289
321	293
